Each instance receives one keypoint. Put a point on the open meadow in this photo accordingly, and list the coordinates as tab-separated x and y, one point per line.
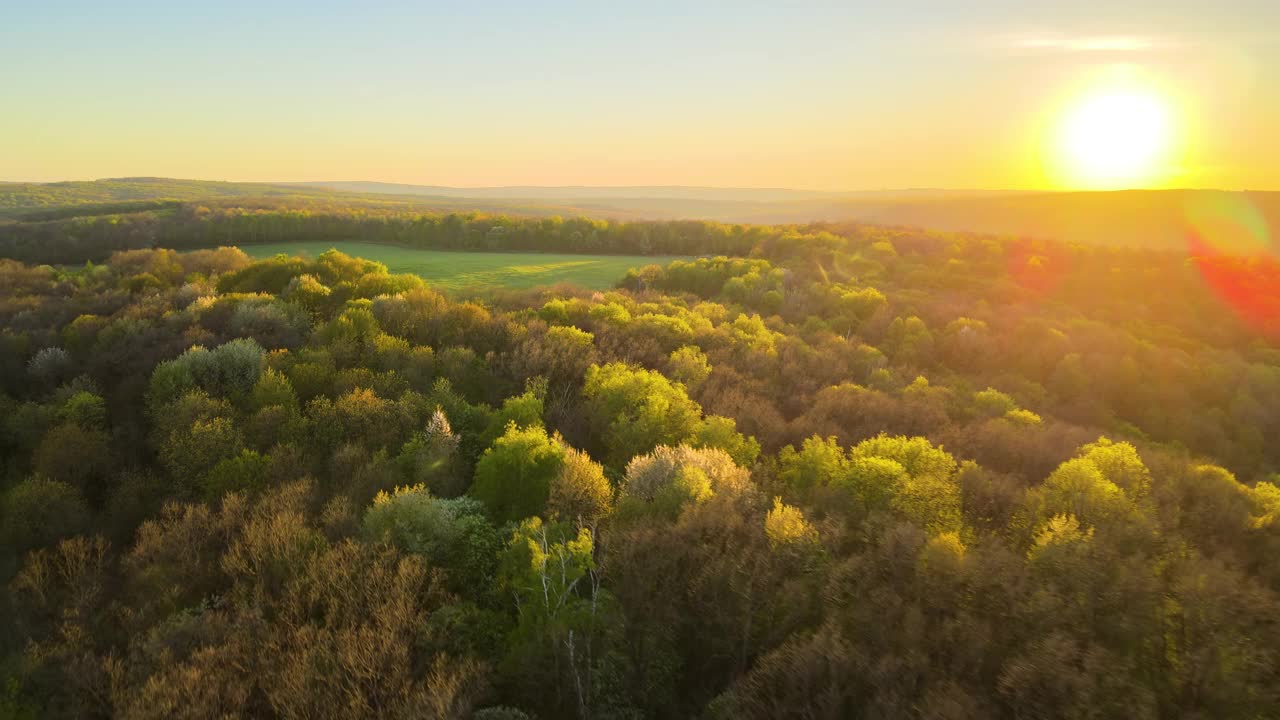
458	270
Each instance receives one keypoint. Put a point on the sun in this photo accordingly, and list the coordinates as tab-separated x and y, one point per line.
1115	137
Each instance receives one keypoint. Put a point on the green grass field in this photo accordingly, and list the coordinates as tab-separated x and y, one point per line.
470	270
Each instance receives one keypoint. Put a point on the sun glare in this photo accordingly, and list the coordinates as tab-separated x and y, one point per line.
1115	136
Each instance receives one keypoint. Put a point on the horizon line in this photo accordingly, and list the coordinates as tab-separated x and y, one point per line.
776	188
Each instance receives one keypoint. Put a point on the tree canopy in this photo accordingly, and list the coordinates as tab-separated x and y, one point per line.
819	471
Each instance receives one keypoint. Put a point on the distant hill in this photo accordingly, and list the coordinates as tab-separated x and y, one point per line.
1136	218
575	192
641	192
21	196
1143	218
60	200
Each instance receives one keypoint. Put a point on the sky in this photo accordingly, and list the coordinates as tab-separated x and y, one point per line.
815	95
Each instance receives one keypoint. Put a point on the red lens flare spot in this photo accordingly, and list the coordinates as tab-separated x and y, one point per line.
1036	266
1230	244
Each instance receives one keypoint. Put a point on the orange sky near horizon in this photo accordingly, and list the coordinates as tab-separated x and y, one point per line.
812	96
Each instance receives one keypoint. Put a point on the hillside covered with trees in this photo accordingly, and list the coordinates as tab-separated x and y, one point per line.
823	472
78	221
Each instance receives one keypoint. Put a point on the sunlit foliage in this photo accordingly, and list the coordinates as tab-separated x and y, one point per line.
820	471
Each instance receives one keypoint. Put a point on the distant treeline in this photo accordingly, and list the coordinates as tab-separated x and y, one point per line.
49	238
92	209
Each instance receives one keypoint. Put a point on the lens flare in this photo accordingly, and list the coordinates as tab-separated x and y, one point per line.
1036	266
1231	246
1227	223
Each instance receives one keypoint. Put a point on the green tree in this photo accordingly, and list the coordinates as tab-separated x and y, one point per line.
1119	463
525	410
669	479
993	403
638	410
513	478
86	410
430	458
561	354
75	455
38	512
273	389
1078	488
453	534
246	471
909	341
688	365
188	453
819	462
580	492
549	569
786	525
927	493
721	432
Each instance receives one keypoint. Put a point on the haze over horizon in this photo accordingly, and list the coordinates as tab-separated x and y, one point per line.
812	96
802	191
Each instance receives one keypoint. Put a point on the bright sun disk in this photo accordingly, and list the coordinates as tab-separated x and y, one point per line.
1115	138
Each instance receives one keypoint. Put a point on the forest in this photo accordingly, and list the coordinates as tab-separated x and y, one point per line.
76	234
819	471
71	222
